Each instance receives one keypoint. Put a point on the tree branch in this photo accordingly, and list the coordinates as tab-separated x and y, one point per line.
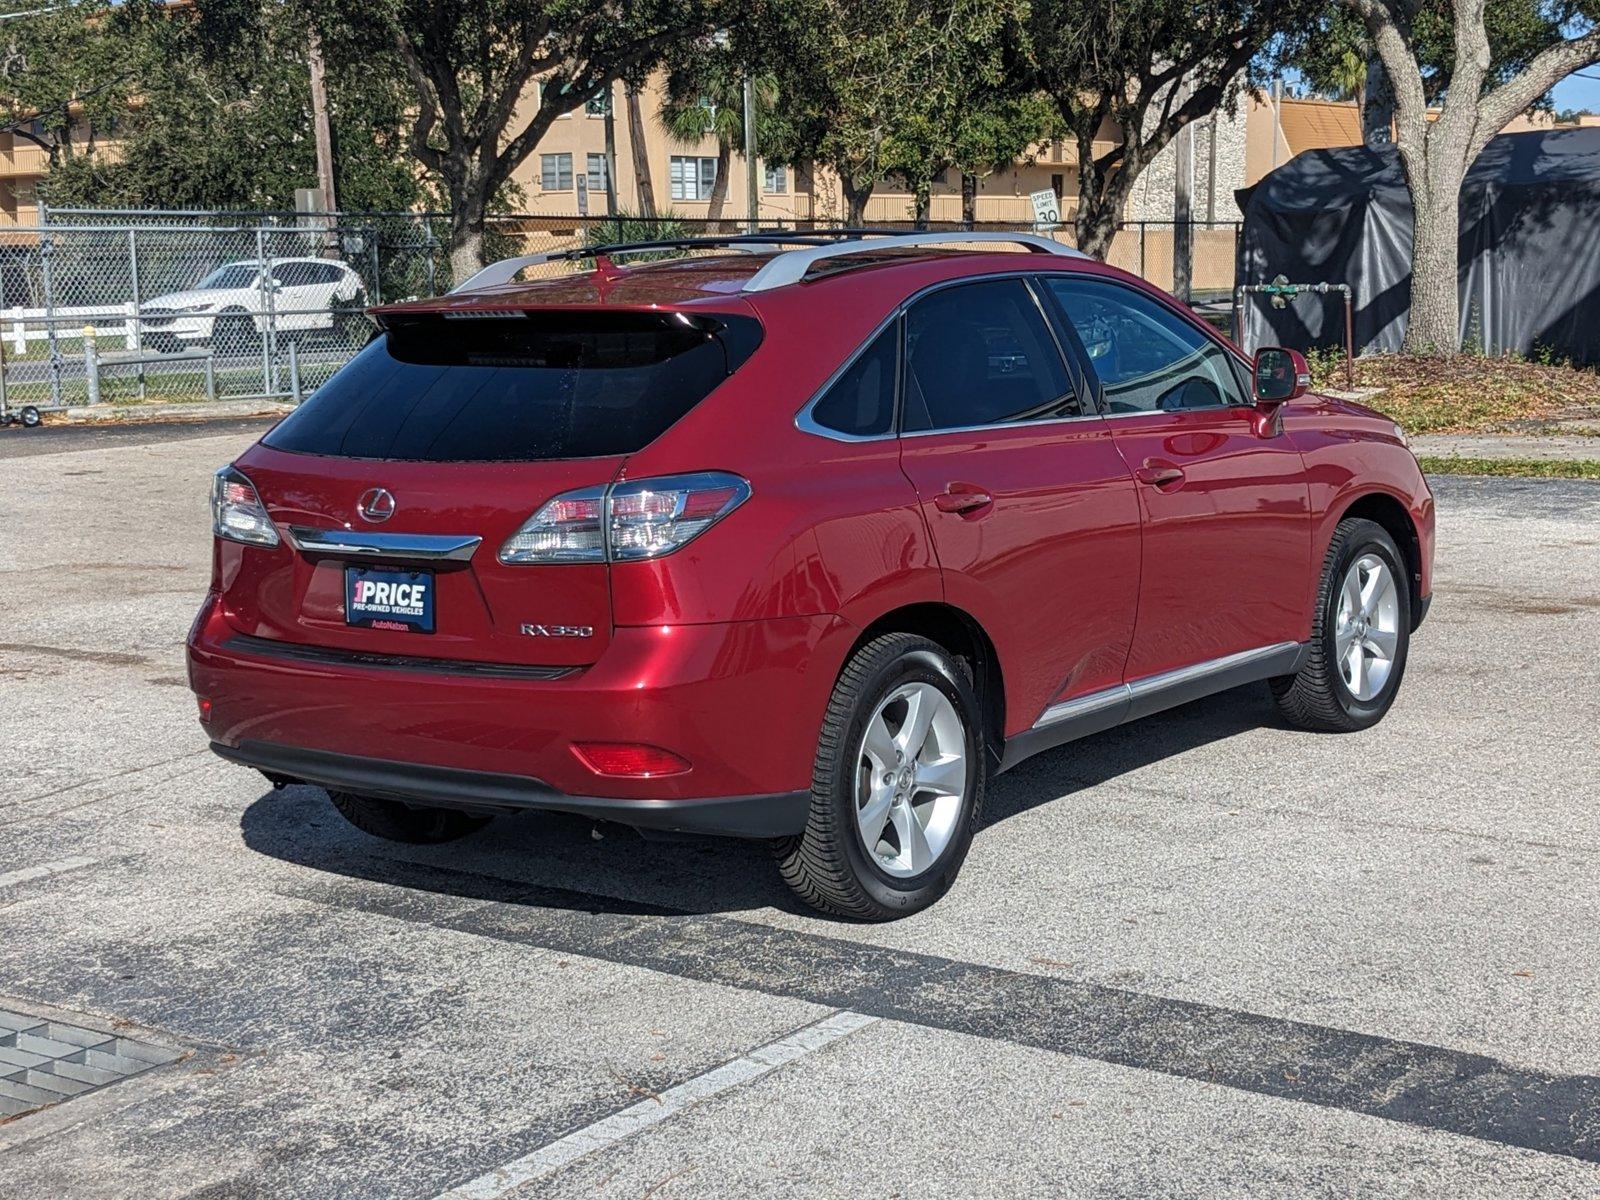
1548	68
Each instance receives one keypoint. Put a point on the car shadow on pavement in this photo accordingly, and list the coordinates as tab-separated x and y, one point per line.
551	859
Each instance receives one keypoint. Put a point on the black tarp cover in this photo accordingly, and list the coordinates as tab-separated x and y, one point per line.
1530	246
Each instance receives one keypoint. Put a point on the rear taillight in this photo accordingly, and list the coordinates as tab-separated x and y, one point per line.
237	512
643	518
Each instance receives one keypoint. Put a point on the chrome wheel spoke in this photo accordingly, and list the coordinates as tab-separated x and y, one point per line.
944	777
915	853
922	705
879	744
1383	643
873	816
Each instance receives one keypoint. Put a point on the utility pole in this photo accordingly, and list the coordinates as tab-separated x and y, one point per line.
611	150
752	190
1183	216
324	138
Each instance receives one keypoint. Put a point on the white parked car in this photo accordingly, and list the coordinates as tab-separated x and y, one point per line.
232	306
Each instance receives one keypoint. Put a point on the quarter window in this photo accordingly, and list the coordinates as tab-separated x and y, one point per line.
981	354
861	401
1148	358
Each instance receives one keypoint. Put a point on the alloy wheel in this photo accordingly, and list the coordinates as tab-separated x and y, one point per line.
1366	633
911	776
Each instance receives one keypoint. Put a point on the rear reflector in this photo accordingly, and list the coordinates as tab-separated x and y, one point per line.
628	759
205	708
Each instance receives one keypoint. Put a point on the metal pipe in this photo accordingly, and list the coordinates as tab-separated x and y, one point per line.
294	371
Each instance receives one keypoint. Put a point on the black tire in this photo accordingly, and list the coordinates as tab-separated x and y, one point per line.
828	866
234	332
415	824
31	417
1317	697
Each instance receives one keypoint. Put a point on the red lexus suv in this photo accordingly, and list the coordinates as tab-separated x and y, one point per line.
802	539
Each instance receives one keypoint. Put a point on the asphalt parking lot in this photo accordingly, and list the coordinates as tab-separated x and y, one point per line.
1201	956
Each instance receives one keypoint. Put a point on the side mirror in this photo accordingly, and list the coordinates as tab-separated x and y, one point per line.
1280	375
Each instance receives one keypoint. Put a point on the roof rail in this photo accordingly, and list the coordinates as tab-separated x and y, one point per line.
792	265
508	269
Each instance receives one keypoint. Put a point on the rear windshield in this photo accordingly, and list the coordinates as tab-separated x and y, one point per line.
518	388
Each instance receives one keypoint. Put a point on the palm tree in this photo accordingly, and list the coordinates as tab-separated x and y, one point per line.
708	101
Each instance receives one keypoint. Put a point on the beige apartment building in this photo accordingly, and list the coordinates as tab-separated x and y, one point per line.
565	175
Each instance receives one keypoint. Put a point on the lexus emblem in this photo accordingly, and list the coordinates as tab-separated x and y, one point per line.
376	504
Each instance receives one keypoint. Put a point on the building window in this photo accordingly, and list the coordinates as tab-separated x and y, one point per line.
693	178
598	104
597	174
776	179
555	172
549	94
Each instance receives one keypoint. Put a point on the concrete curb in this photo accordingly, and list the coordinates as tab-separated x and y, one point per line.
91	414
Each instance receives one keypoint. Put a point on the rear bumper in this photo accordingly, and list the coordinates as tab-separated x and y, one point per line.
741	702
759	816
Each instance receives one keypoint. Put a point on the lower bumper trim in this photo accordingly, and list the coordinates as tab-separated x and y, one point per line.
778	814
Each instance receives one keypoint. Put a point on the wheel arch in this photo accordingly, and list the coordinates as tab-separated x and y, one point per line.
1383	509
960	633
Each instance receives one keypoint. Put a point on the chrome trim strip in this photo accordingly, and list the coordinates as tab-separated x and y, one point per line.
402	547
807	424
1167	679
1082	706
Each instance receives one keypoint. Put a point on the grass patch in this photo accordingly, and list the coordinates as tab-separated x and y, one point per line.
1527	468
1469	393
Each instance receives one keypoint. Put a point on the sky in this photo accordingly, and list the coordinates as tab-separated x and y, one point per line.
1580	90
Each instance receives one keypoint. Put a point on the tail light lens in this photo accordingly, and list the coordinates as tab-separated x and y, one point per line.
237	512
643	518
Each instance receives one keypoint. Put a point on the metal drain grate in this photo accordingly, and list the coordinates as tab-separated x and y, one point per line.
45	1062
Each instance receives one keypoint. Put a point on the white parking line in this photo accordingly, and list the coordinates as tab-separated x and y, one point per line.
43	870
550	1158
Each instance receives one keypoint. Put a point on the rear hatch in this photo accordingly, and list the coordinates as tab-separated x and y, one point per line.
397	483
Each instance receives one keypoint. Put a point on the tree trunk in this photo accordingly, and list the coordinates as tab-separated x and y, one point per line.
1435	323
969	200
1377	105
641	156
855	201
719	185
466	252
923	205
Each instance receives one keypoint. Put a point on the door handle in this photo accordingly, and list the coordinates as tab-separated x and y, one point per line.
1158	474
962	498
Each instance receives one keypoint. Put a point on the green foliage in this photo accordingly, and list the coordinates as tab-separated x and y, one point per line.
1146	68
468	65
629	227
209	108
870	88
1331	52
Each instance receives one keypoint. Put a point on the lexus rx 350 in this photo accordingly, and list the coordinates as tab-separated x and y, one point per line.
799	541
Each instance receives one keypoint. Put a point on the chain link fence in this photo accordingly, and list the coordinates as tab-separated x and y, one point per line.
128	307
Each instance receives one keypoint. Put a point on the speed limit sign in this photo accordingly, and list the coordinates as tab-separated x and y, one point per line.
1046	207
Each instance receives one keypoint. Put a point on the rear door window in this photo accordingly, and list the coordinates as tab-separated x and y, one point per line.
982	354
519	387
